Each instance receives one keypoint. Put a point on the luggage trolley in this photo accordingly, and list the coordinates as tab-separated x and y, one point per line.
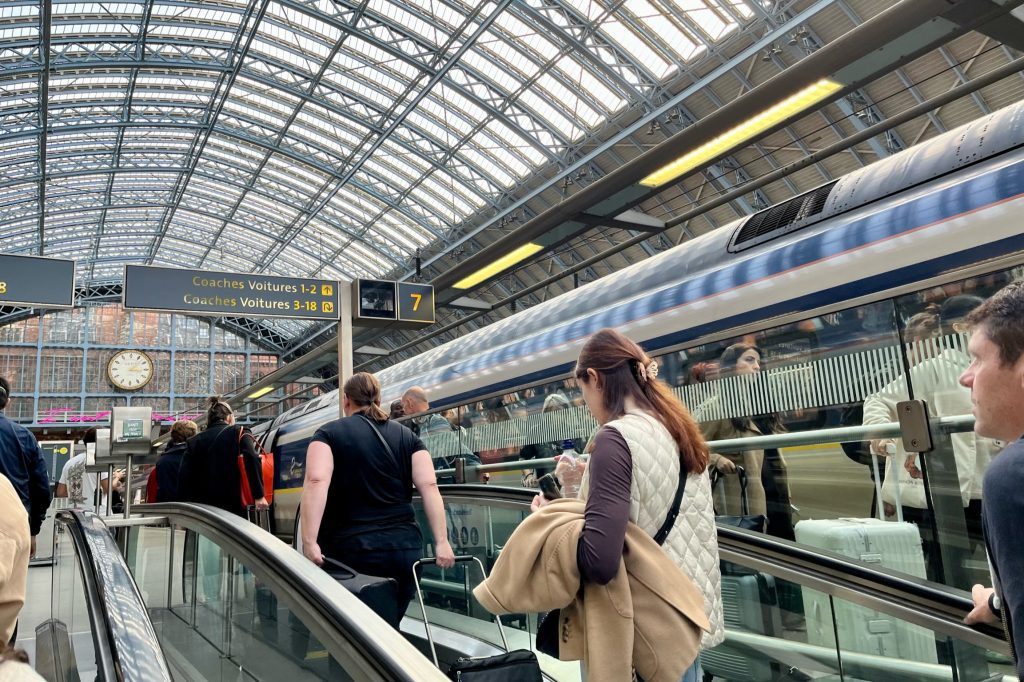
520	665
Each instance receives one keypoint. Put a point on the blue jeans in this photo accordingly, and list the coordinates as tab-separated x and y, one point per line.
695	673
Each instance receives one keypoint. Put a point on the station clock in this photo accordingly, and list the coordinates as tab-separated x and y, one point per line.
130	369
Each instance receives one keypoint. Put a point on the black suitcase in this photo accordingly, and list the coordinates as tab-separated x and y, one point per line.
380	594
520	665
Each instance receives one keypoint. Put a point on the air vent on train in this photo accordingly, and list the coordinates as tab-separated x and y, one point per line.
780	219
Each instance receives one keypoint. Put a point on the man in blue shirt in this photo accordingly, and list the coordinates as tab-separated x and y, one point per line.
21	461
996	379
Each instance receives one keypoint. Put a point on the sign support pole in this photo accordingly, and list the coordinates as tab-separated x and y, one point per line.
344	340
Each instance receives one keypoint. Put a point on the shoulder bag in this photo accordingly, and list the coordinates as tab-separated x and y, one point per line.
266	467
547	628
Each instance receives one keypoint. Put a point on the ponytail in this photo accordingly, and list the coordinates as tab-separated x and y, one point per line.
363	390
217	410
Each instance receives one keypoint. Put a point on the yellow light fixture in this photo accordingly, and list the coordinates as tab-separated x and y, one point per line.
503	263
260	393
744	132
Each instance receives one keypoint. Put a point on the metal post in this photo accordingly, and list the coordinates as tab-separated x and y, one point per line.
110	489
229	606
344	339
127	495
170	566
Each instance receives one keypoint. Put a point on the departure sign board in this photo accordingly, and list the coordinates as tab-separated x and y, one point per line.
228	293
35	281
381	302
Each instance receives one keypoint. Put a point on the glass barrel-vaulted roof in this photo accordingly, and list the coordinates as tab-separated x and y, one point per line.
305	137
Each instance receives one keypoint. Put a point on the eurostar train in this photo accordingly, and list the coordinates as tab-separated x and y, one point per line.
824	284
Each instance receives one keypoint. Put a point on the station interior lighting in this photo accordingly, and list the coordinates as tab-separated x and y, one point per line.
500	265
260	393
744	132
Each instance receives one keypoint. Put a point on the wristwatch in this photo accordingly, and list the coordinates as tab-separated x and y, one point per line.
995	604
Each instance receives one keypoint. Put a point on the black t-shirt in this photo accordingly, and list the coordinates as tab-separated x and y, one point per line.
369	500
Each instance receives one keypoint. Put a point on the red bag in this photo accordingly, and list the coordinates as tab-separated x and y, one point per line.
151	487
266	468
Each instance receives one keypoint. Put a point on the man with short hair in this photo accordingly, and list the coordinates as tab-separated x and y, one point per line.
444	451
996	379
21	461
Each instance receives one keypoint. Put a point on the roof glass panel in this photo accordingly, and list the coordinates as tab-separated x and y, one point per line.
232	176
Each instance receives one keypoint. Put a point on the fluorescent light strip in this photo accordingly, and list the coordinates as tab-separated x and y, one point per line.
744	132
503	263
260	393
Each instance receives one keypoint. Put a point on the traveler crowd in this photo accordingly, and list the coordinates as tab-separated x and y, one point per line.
24	499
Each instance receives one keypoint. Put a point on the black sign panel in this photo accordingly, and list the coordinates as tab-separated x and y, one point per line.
229	293
35	281
415	303
375	300
56	454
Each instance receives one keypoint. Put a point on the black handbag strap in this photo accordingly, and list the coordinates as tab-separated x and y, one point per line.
670	520
380	437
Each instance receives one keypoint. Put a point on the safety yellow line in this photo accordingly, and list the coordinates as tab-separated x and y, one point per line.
820	446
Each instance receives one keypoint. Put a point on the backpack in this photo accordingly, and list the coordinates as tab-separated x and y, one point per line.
266	469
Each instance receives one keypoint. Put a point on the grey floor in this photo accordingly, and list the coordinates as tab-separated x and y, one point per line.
36	609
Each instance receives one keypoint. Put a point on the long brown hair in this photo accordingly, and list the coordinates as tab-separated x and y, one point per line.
767	424
363	389
619	361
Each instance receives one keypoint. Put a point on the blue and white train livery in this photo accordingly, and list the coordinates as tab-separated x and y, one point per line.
943	210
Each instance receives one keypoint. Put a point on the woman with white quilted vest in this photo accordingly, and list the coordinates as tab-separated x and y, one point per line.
646	437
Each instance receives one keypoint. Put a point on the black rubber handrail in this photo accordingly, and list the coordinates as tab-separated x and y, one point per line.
938	607
126	645
338	619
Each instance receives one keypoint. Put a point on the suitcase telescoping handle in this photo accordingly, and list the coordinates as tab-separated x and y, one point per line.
428	561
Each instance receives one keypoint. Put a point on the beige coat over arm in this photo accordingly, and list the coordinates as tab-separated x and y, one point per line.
649	617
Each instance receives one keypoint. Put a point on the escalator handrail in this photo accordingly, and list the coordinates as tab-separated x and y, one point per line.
128	649
338	618
937	607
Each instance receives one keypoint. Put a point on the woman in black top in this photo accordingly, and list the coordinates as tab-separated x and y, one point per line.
209	470
364	516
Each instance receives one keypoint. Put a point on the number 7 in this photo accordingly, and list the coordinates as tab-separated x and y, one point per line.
416	301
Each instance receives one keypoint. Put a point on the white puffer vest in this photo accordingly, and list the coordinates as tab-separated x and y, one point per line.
693	541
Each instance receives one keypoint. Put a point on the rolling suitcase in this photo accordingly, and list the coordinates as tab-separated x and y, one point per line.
888	544
380	594
750	604
512	666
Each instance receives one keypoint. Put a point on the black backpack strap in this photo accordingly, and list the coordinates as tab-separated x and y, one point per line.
380	437
673	512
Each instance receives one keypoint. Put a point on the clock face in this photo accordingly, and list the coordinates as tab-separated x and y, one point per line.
130	369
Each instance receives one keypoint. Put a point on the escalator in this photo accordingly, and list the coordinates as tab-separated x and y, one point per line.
99	628
188	592
792	613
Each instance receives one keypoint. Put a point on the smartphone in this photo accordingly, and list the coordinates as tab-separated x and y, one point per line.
549	487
